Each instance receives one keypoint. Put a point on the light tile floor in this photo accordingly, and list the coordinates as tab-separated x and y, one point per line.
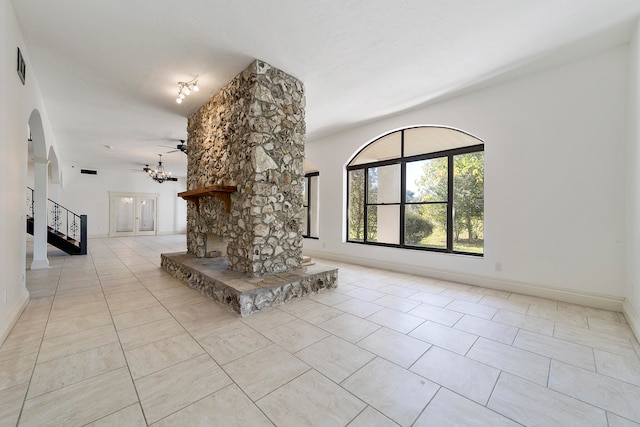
109	339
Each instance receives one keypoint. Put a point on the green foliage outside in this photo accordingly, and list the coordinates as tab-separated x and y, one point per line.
356	205
468	203
416	228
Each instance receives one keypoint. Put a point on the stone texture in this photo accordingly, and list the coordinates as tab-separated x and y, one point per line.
250	134
243	294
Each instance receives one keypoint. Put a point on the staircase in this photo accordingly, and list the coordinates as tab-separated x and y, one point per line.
66	230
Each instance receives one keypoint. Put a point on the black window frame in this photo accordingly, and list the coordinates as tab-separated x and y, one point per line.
307	176
402	161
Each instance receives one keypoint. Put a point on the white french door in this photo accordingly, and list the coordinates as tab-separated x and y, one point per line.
132	214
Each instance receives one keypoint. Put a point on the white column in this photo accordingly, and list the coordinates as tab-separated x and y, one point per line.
41	179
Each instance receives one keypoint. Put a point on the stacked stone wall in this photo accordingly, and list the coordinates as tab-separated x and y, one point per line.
250	134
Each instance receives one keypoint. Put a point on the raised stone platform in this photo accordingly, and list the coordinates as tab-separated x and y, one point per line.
246	295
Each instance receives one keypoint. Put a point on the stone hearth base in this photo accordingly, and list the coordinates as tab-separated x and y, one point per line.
246	295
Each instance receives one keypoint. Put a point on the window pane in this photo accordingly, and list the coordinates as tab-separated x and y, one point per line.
383	224
384	184
432	139
417	228
305	195
426	225
304	222
385	148
356	205
426	180
468	202
313	198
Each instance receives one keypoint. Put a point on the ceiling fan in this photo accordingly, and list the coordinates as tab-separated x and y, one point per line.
180	147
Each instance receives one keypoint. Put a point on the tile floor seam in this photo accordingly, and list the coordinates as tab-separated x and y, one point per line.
358	414
74	354
186	406
126	361
491	395
579	399
26	392
261	397
85	379
429	403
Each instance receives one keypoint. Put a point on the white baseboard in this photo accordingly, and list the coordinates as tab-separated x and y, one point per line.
39	264
12	316
160	233
171	233
97	236
632	318
606	302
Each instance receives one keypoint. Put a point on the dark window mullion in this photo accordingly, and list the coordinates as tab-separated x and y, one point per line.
403	189
450	202
308	177
403	197
365	230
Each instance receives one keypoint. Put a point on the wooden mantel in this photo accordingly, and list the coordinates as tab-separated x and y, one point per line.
222	192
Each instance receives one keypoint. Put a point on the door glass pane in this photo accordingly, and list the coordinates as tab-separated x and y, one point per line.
468	202
124	214
147	218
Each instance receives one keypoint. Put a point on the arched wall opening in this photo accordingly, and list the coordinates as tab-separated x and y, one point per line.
38	157
54	176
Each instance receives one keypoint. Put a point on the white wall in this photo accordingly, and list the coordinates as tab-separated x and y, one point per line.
554	183
632	303
17	101
80	192
89	194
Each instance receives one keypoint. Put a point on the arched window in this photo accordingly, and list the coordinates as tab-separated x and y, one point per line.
418	188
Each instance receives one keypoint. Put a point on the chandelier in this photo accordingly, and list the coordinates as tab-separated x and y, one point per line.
159	174
185	89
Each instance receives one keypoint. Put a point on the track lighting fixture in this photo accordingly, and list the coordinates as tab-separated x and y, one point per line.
185	89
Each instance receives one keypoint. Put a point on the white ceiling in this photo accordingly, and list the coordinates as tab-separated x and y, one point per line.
108	70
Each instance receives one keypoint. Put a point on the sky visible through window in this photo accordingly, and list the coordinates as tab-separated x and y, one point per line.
414	172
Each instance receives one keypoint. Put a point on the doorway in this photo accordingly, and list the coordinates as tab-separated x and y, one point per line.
133	214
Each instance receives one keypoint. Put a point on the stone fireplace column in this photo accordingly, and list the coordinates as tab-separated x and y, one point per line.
251	135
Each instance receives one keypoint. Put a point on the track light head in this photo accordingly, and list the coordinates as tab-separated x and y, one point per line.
185	89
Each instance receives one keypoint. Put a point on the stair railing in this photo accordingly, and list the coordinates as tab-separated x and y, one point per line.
63	222
30	203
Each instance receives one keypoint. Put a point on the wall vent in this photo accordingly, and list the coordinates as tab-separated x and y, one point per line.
22	67
89	171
